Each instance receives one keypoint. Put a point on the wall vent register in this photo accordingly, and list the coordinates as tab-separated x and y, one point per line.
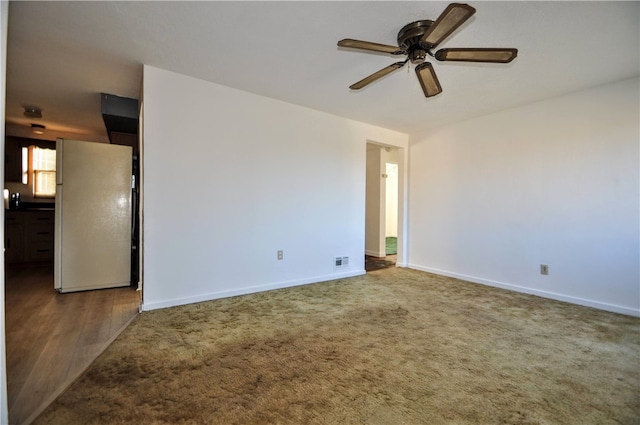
341	262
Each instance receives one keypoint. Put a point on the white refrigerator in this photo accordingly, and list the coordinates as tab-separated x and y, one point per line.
92	216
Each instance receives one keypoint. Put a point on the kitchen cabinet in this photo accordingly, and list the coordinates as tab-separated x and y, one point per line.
29	236
13	237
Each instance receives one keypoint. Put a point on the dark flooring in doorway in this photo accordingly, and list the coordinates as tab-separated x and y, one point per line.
379	263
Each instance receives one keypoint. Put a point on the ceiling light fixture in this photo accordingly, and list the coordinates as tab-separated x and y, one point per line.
38	128
32	112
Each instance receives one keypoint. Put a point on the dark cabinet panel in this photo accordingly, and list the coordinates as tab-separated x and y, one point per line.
29	236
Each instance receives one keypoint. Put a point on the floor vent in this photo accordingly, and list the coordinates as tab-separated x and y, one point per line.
341	262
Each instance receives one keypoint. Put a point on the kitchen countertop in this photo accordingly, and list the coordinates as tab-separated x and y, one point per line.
32	209
35	206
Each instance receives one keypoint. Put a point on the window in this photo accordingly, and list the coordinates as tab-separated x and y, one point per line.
41	171
25	165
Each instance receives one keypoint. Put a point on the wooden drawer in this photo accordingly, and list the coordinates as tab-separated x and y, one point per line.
38	217
13	218
41	232
39	251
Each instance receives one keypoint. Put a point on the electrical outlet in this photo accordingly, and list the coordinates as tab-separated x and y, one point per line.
544	269
280	255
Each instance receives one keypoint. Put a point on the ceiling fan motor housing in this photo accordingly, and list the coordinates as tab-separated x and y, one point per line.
409	40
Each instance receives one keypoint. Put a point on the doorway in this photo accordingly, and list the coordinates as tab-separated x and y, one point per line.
382	206
79	325
391	208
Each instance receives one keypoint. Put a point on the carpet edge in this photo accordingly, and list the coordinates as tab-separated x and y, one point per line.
525	290
149	306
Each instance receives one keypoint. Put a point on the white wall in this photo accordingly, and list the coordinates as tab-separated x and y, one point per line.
391	156
555	182
231	178
4	15
375	194
391	200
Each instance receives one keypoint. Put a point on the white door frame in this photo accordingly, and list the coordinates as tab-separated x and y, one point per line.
403	192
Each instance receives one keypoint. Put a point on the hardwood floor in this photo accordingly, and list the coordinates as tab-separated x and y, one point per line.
51	338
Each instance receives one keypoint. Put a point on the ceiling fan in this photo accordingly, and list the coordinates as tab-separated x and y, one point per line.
418	39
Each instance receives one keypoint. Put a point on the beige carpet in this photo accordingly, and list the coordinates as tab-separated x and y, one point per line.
396	346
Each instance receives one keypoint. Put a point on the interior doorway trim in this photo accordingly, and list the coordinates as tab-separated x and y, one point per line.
403	162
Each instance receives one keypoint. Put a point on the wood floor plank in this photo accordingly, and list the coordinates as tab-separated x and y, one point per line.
51	367
123	309
27	326
51	338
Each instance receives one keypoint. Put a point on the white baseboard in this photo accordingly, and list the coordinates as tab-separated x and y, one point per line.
375	254
559	297
148	306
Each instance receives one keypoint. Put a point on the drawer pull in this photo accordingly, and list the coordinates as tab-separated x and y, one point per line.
43	233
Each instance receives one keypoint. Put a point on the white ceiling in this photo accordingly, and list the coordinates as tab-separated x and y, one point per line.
62	55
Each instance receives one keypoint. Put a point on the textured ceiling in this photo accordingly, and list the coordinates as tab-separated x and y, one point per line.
62	55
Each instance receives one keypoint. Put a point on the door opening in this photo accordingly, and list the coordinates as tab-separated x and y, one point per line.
391	209
382	206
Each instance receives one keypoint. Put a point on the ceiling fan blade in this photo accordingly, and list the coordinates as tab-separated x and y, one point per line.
428	79
367	45
477	55
453	16
371	78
